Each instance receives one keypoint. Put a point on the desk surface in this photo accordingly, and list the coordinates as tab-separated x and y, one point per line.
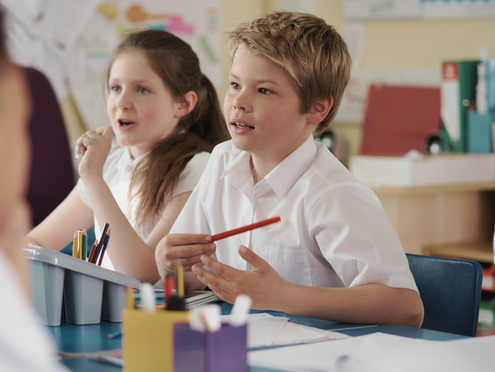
93	338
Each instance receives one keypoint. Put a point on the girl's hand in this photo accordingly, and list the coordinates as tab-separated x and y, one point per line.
94	147
262	283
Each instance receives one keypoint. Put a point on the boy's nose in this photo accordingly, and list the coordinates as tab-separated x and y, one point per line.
240	103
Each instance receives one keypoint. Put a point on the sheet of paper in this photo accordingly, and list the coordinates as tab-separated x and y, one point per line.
294	333
264	331
267	330
381	352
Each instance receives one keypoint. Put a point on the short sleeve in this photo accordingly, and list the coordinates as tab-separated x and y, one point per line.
83	194
358	240
192	173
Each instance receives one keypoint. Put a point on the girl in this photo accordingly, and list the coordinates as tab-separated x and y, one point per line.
166	118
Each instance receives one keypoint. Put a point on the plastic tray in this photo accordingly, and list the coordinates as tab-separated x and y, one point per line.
89	292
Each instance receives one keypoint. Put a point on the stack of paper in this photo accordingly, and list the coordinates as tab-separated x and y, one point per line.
267	330
381	352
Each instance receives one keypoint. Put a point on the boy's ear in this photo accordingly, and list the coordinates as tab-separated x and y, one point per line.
187	105
320	111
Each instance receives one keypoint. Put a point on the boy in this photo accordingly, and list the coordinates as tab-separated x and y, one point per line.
334	255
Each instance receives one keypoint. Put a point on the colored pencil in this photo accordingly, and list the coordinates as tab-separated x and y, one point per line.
93	250
74	245
100	244
104	247
239	230
84	250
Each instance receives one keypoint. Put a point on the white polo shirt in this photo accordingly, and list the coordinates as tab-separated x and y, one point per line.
334	231
117	174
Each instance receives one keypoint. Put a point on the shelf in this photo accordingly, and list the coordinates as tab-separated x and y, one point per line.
477	251
476	187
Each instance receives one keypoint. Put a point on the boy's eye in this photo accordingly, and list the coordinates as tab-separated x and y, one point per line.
143	90
115	88
234	85
264	91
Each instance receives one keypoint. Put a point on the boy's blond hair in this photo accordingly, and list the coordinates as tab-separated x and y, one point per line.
312	53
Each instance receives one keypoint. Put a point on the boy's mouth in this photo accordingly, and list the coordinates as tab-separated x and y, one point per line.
241	125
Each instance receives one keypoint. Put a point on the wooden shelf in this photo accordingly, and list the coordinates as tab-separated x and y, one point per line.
487	186
478	251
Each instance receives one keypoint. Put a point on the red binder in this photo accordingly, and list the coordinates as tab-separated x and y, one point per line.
400	118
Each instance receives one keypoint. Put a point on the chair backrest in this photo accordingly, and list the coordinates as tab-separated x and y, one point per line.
52	174
451	292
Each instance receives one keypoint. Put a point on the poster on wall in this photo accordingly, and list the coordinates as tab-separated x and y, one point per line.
112	20
370	10
367	10
458	8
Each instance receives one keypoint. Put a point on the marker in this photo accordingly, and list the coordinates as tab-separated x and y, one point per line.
239	313
115	335
239	230
148	297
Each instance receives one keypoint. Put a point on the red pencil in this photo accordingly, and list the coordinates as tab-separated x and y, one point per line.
93	249
239	230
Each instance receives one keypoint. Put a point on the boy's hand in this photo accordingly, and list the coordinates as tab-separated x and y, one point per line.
94	147
262	283
182	249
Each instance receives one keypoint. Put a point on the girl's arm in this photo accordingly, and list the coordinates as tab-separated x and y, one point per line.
57	230
128	252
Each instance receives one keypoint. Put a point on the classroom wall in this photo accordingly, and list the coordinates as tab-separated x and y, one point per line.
389	44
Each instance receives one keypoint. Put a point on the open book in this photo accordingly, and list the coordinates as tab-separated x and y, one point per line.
192	298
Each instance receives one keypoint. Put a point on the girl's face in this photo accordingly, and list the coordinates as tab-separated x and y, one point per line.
140	106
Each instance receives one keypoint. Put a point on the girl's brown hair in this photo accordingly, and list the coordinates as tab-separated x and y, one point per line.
156	177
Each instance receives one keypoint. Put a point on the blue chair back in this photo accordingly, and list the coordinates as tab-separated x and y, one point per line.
451	292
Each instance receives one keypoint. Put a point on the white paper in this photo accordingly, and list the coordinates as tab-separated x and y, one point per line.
267	330
380	352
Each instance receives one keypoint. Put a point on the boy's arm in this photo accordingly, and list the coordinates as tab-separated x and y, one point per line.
366	304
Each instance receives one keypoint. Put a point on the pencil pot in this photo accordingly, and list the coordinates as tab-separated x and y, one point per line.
148	342
222	351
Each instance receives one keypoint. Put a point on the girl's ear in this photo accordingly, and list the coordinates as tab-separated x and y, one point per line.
319	111
187	105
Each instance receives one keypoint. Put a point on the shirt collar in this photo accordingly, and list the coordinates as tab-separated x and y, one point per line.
126	161
283	177
240	170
